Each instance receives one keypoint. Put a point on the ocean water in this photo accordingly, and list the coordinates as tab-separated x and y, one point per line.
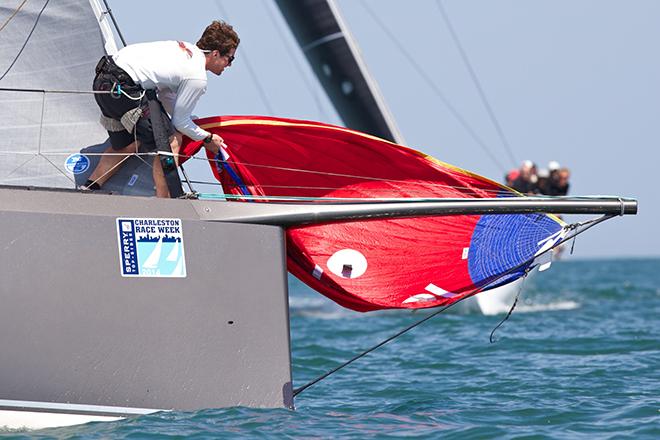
579	358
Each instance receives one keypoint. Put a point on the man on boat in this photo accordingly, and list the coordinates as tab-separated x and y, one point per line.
527	179
177	71
558	182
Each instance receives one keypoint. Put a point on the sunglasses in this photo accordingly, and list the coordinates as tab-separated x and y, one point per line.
230	58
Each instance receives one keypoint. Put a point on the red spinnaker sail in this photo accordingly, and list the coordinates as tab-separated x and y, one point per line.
377	264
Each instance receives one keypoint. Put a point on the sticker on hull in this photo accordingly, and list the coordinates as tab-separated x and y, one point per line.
151	247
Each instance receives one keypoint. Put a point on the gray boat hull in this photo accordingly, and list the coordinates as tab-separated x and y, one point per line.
75	332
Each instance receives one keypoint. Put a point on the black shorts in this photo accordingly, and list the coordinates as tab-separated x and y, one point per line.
115	106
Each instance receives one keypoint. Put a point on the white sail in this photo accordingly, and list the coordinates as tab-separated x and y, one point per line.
40	129
174	253
154	257
180	269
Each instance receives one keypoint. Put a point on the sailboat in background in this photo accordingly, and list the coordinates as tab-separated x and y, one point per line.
115	341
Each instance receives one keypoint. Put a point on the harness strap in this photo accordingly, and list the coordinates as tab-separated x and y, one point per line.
163	144
106	68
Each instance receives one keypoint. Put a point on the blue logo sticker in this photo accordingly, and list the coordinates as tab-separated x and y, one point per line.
77	163
151	247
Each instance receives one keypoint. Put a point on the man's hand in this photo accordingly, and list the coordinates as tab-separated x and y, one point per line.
215	144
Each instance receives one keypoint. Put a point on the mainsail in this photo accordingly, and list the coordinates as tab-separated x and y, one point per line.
376	264
47	109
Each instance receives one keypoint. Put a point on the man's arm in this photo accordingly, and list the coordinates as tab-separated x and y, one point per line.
189	92
167	98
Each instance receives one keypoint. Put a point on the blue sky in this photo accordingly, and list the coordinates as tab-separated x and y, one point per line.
577	81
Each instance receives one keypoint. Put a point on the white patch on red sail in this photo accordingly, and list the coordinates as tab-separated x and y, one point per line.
318	271
420	297
435	292
440	292
347	263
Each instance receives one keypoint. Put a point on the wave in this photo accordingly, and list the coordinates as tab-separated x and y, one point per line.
553	306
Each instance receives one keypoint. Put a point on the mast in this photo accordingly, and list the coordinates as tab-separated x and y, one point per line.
336	60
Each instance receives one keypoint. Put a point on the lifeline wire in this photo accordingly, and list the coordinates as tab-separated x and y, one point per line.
573	227
323	173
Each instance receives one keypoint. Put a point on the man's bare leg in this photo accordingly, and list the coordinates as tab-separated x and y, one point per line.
108	165
175	145
162	190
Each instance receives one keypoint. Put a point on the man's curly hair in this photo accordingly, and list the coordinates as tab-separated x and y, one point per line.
219	36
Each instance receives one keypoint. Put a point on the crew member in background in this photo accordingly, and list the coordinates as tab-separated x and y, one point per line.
557	184
542	181
527	179
177	70
511	176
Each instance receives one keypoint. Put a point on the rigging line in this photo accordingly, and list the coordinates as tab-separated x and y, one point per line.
57	168
300	170
114	22
22	165
12	15
435	88
41	127
297	64
574	226
117	165
430	184
77	92
63	153
408	328
360	200
187	180
26	41
332	188
477	83
248	65
520	289
375	190
333	200
364	353
41	121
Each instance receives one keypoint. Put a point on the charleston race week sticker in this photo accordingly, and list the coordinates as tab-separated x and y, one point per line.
151	247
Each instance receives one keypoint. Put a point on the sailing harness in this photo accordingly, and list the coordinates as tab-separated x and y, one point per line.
115	80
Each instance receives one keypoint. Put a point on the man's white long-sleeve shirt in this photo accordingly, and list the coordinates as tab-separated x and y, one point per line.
177	69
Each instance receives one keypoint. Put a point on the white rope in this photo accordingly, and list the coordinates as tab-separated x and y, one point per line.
68	153
74	92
